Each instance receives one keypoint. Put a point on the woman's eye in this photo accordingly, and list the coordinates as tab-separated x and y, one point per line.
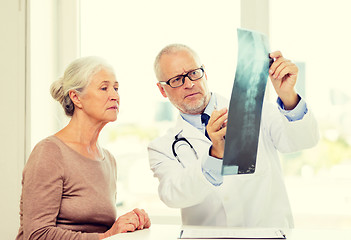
104	88
116	89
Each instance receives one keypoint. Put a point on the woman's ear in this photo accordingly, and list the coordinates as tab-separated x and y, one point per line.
75	98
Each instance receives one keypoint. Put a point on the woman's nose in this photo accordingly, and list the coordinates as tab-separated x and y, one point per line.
114	95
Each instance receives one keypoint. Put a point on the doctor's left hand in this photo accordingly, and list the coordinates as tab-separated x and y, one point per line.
216	129
283	74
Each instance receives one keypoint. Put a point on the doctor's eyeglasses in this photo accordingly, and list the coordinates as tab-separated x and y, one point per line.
179	80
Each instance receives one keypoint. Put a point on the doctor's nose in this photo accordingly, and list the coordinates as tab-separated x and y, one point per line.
188	83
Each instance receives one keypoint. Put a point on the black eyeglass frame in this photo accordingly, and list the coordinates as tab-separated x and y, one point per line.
183	77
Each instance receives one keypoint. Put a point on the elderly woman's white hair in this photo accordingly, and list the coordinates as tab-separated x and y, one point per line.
77	76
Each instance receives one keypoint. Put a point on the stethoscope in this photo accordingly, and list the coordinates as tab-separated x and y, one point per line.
179	139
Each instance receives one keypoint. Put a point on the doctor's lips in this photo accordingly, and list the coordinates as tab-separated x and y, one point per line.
190	95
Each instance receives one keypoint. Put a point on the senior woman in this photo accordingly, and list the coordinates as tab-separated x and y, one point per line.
69	181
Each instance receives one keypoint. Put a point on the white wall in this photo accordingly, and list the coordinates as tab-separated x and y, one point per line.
255	15
54	38
12	106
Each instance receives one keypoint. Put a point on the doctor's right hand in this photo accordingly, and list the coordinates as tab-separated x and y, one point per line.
216	129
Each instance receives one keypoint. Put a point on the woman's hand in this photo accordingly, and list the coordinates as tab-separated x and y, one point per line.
144	220
129	222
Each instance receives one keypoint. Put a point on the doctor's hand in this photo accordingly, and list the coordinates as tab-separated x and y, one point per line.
216	129
283	74
129	222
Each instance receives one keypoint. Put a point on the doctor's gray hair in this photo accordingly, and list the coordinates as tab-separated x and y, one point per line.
171	49
76	77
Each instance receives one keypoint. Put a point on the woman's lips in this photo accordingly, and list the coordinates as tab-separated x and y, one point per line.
113	108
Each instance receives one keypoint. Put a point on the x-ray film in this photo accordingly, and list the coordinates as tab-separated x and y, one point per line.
244	116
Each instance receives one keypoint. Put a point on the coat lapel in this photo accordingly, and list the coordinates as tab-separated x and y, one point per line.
188	131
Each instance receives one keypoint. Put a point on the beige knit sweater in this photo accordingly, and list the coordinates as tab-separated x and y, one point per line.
66	195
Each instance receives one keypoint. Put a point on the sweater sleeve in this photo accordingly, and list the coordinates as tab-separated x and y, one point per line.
42	188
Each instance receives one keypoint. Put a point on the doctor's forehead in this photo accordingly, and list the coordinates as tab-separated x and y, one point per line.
178	62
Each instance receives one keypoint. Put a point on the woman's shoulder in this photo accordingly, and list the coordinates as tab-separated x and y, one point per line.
49	145
109	156
46	154
49	149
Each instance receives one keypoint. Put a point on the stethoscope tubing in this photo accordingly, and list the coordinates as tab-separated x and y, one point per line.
179	139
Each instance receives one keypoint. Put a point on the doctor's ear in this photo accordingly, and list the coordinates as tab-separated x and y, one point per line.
203	66
162	90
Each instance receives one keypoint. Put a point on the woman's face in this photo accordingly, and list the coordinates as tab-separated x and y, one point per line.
100	99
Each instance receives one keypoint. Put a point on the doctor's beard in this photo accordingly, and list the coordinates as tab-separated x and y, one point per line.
194	107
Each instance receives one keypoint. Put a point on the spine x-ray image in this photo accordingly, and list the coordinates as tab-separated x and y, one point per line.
245	106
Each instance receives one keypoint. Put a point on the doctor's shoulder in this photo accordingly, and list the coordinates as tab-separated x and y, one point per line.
165	139
160	151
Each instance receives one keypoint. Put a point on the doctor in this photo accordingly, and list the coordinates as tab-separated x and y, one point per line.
188	163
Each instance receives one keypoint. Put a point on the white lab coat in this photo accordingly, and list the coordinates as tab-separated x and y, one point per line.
253	200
